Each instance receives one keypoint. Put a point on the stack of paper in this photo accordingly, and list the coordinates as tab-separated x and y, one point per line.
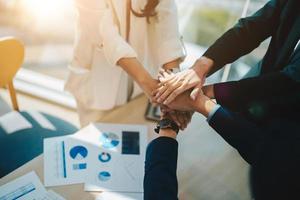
106	157
27	187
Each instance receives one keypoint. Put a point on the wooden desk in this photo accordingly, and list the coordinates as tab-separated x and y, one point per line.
131	113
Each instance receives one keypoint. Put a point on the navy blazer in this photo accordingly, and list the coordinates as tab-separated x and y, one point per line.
273	151
160	180
280	74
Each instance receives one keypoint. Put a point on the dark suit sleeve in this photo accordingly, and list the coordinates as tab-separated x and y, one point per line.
245	36
239	95
241	134
160	180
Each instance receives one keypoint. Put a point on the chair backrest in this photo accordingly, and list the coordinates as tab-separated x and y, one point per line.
11	59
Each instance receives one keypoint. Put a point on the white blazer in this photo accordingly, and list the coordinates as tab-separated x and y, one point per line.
95	80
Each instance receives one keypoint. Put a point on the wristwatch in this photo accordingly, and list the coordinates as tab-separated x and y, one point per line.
165	124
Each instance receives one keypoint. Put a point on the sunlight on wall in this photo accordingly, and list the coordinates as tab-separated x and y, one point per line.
47	12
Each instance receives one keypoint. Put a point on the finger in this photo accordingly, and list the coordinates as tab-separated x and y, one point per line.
167	78
160	91
184	120
181	119
182	88
164	109
196	91
167	92
190	114
175	119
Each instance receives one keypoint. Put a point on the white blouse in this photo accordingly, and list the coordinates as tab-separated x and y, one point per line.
94	78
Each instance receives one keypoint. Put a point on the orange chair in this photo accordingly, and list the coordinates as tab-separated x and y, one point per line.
11	59
29	141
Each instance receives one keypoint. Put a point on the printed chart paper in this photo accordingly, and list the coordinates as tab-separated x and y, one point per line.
116	161
27	187
120	196
58	163
106	157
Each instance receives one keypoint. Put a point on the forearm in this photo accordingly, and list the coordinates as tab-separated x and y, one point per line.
160	181
136	70
240	133
241	39
204	105
239	95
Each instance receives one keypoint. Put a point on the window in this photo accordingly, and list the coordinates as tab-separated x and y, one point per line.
47	29
203	21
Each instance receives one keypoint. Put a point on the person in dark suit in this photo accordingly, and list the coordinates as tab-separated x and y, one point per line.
273	150
258	116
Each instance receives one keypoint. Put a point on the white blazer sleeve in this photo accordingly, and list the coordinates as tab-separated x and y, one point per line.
115	47
170	46
96	28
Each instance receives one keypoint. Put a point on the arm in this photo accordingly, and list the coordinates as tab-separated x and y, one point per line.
245	36
238	95
97	28
237	41
243	135
136	70
160	181
166	35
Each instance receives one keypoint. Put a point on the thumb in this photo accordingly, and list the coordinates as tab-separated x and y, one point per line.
196	91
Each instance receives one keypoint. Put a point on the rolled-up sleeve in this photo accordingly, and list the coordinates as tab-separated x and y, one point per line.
114	45
97	29
168	38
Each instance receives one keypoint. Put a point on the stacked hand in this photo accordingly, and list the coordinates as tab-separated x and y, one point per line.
186	89
172	85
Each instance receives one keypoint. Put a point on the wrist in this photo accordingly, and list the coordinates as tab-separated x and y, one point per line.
168	132
204	105
208	91
148	84
203	65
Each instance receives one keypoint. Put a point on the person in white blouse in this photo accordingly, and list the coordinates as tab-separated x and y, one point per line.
119	47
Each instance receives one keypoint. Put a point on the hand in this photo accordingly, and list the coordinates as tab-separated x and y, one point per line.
148	86
174	84
208	91
181	118
202	104
182	102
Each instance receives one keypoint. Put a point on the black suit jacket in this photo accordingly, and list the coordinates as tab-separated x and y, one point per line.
270	139
280	75
273	152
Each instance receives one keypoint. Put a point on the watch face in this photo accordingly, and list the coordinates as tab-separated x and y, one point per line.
165	124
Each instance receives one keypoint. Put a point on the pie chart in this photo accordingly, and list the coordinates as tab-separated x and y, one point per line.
109	140
78	152
104	157
104	176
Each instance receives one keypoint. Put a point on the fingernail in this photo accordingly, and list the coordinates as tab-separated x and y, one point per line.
157	95
159	100
165	102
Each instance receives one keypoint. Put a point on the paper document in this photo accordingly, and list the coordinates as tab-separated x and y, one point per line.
120	196
27	187
106	157
58	167
116	161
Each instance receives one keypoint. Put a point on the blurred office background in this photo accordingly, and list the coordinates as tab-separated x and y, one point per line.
47	29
